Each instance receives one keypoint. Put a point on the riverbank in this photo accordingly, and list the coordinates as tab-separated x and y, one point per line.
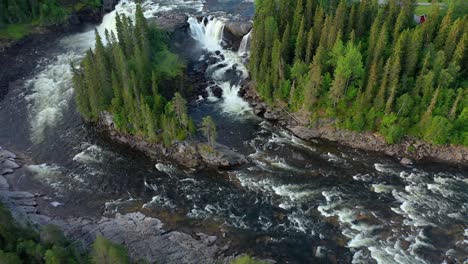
190	154
146	238
21	55
407	150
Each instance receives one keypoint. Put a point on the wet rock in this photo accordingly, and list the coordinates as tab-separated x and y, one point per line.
206	239
108	5
241	92
4	186
20	195
217	91
6	171
234	31
170	20
8	164
221	157
6	154
406	161
272	115
186	155
238	28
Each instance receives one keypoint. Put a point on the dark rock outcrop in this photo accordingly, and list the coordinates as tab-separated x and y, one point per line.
108	5
190	154
234	31
238	28
170	20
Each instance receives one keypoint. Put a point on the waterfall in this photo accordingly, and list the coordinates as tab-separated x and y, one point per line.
244	48
51	89
208	32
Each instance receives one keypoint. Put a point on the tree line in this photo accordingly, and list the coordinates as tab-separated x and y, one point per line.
41	12
137	79
365	66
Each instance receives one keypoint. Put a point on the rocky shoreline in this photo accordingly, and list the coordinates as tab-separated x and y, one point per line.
407	150
145	237
190	154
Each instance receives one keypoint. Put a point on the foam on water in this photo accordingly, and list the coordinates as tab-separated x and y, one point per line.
92	154
51	89
208	32
244	48
168	169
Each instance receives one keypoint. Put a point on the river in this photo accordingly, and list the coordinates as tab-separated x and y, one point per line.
296	202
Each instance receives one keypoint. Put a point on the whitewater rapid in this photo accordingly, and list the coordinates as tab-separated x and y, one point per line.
208	32
51	89
298	193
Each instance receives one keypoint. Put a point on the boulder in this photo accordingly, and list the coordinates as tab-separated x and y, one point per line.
406	161
6	171
221	157
8	164
239	28
4	186
170	20
234	31
7	154
108	5
272	115
217	91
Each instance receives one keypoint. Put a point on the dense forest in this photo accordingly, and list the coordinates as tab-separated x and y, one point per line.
19	18
25	245
137	79
365	66
39	11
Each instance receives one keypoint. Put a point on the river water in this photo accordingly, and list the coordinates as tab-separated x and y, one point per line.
297	202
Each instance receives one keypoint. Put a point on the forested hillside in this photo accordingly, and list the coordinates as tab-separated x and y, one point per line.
17	17
138	80
365	66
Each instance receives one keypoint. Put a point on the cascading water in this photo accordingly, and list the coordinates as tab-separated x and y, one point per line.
299	196
51	89
209	34
244	48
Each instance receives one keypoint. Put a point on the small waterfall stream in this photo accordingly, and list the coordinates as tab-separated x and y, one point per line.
244	48
229	71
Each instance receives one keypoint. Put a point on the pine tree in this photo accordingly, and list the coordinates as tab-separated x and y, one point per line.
298	17
208	129
314	87
300	42
444	29
310	48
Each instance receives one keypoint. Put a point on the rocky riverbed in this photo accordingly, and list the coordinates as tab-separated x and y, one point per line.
145	237
409	148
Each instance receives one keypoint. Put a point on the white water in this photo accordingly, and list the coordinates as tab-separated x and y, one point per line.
209	34
51	89
244	48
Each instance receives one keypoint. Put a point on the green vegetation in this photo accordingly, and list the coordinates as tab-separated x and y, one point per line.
137	79
365	66
209	130
247	260
24	245
15	31
18	17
